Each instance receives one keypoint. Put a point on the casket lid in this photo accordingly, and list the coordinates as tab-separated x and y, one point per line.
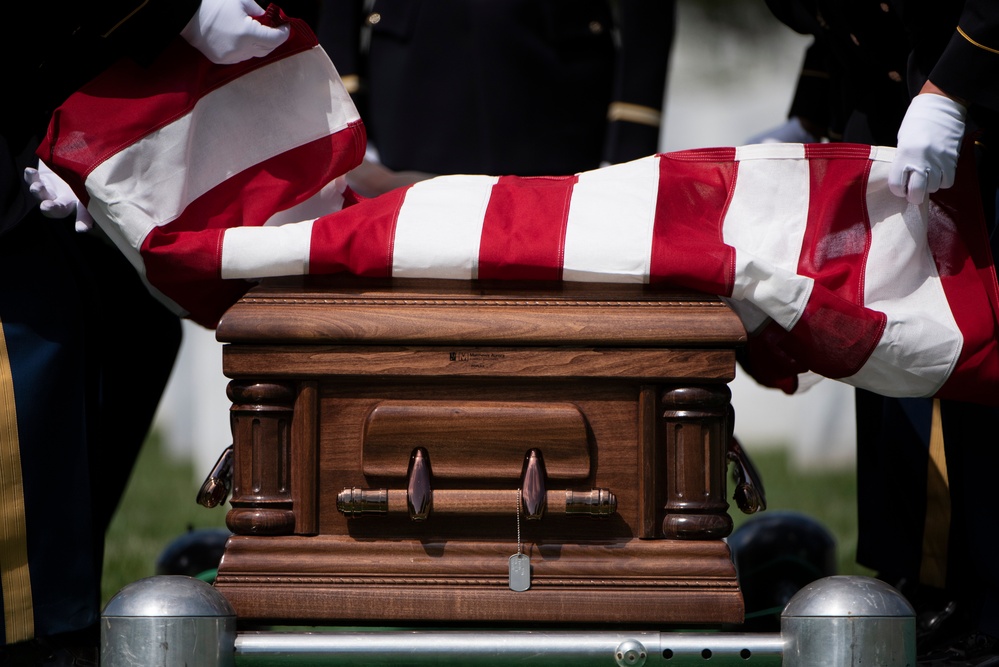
343	310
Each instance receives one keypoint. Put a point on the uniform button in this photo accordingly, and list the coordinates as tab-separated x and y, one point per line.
374	18
895	76
853	38
596	27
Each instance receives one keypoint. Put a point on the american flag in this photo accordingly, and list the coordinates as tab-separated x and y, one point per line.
210	177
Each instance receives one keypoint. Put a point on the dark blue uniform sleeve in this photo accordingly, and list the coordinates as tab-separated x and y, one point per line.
646	29
969	66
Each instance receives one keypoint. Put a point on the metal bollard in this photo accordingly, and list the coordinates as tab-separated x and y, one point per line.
845	621
168	621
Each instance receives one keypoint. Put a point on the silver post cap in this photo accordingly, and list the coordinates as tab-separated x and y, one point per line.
164	596
851	596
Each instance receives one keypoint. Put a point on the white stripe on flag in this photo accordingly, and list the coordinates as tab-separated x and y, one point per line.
326	201
922	341
236	121
261	252
765	222
439	228
608	235
774	151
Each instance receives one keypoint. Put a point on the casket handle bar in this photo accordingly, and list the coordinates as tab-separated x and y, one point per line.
420	499
218	485
749	493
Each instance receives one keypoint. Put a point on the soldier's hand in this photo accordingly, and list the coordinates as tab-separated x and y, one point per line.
929	142
227	32
57	199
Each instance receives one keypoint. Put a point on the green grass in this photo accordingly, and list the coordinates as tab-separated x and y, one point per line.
828	496
159	505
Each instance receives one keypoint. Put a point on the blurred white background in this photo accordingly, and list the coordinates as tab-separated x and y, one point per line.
732	74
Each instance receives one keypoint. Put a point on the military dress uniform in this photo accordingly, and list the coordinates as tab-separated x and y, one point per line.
924	467
525	87
85	351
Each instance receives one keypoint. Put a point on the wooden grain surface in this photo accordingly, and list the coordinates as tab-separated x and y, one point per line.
621	388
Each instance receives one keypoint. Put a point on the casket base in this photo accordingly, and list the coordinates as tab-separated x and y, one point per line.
331	579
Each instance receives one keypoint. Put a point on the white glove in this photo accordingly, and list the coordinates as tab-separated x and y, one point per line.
226	32
790	132
929	141
56	197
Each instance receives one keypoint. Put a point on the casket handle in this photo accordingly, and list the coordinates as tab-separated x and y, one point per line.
355	502
218	485
749	493
420	499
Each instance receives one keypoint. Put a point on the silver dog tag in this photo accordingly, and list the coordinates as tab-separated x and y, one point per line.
520	572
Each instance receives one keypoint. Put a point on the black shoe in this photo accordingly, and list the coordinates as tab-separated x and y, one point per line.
937	626
940	620
973	650
73	649
38	653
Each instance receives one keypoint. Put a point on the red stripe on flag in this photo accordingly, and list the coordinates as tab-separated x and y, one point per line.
834	337
128	101
191	260
252	196
838	234
829	339
687	247
358	239
960	246
766	360
523	234
836	334
183	259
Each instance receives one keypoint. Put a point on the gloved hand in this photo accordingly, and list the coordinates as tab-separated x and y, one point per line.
790	132
226	32
929	141
56	197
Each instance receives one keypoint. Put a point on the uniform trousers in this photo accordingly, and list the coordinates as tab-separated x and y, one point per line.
85	354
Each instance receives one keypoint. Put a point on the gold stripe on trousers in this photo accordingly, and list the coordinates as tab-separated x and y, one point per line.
19	623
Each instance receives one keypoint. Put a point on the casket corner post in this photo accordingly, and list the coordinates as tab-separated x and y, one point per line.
273	483
697	424
275	448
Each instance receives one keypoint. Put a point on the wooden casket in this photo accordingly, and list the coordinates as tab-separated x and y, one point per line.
454	453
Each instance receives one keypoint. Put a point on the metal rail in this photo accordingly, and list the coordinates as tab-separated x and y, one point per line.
477	648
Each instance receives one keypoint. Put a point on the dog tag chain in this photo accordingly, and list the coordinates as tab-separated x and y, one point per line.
520	563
